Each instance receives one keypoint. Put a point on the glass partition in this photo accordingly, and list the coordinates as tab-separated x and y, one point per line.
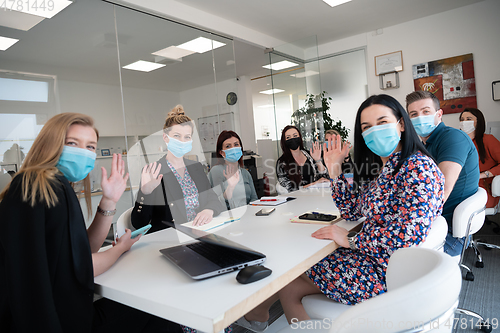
64	64
78	61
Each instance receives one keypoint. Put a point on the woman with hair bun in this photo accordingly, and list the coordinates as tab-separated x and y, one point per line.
175	189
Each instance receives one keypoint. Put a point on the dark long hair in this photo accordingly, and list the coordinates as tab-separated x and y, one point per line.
367	164
291	167
480	128
223	136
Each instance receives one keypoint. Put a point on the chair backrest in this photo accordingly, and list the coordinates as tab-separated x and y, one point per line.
495	186
437	235
124	222
280	189
473	207
422	285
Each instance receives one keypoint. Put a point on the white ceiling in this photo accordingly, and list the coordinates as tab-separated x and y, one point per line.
291	20
79	43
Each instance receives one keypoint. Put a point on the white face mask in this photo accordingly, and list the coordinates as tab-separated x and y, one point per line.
467	126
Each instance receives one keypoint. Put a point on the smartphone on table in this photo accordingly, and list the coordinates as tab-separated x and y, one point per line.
318	217
265	211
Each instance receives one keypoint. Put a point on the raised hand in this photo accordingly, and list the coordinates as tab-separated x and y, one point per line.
315	151
232	175
113	187
150	177
334	155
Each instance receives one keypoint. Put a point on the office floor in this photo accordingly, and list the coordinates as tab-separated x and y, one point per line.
480	295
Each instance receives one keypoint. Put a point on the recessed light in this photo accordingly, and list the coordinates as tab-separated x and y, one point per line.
6	42
47	9
143	66
334	3
173	52
271	91
304	74
201	45
280	65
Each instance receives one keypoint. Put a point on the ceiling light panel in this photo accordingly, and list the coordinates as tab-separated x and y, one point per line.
201	45
43	8
18	20
334	3
173	52
143	66
6	42
280	65
304	74
271	91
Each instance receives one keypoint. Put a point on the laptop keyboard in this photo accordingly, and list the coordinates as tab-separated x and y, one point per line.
220	255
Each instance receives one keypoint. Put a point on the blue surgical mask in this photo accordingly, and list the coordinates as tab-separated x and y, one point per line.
233	154
382	139
424	125
179	148
76	163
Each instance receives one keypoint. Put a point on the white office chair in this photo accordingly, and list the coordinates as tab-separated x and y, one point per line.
495	191
280	189
124	222
423	286
468	218
437	235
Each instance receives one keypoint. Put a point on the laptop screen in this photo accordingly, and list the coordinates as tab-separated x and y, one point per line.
210	238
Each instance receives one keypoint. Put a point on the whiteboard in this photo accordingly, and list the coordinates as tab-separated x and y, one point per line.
210	127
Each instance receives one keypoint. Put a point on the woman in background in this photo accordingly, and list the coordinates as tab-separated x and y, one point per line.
236	184
347	164
488	147
48	259
185	193
298	168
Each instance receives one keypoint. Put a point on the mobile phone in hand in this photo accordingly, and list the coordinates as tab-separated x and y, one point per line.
140	231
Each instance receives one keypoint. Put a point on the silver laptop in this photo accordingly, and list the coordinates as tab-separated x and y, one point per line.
211	255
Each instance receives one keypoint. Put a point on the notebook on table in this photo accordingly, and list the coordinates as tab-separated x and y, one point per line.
210	255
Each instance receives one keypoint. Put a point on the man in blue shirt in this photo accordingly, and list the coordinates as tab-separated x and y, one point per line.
455	155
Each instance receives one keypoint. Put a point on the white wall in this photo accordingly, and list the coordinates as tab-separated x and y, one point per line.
470	29
145	109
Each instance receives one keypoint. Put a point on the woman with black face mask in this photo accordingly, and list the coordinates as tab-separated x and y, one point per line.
298	168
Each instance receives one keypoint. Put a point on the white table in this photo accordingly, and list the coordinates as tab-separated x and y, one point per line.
142	278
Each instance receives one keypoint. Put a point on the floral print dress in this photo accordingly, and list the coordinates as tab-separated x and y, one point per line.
399	210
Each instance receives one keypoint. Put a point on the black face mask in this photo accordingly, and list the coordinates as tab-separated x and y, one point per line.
293	143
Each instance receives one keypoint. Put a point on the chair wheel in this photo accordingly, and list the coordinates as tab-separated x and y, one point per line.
486	327
469	276
479	264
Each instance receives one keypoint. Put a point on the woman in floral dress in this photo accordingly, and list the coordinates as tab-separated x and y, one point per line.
398	189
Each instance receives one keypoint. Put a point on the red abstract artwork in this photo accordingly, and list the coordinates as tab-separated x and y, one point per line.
451	80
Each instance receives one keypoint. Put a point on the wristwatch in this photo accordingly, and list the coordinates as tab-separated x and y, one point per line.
351	237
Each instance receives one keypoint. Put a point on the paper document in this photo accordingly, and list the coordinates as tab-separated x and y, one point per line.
270	201
216	222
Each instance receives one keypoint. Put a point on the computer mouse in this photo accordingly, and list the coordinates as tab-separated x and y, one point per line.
252	273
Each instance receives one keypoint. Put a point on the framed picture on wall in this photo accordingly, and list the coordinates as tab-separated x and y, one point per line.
389	62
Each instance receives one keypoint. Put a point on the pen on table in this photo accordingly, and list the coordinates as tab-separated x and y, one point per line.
268	199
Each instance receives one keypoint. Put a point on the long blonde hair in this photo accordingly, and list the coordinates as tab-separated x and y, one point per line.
39	167
177	116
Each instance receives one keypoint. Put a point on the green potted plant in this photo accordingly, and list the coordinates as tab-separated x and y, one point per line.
313	121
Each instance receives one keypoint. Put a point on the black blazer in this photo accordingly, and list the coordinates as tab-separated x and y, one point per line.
46	273
166	202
